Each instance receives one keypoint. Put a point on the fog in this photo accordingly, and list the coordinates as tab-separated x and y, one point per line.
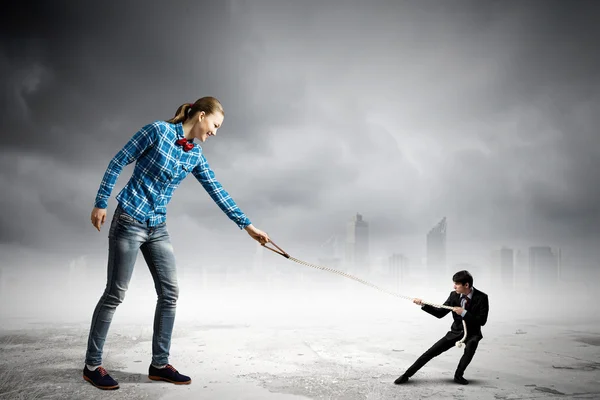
276	289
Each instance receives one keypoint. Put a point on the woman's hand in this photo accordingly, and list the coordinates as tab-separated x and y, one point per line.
257	234
98	217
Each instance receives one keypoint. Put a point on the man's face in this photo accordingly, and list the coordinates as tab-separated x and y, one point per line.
462	289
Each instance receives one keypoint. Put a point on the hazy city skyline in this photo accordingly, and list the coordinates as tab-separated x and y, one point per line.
505	266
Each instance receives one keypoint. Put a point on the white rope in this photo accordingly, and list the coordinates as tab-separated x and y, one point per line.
281	252
459	344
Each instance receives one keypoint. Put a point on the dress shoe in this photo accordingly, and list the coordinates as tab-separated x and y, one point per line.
168	374
100	378
461	380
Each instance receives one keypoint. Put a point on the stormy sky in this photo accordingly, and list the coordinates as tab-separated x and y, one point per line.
485	112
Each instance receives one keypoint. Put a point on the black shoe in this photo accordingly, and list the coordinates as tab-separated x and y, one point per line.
460	380
100	378
401	379
168	374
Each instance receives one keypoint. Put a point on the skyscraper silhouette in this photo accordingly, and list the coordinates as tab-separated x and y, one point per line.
543	267
398	269
522	275
357	244
436	252
503	268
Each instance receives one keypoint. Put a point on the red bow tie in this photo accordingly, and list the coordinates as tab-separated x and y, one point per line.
187	146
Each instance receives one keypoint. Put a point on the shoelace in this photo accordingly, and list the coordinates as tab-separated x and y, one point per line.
102	371
171	367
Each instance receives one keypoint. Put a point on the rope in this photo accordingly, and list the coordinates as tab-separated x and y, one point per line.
279	251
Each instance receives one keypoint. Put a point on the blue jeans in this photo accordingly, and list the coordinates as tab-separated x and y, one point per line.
126	237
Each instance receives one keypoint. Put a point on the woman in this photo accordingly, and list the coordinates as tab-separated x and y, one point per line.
165	154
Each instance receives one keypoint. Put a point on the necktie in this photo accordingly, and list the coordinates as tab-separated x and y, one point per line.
467	300
187	146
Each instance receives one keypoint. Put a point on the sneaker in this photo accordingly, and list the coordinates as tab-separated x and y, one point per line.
100	378
168	374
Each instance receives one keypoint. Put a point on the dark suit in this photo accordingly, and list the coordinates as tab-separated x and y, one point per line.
475	318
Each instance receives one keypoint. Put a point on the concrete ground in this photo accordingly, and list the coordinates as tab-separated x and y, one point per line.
307	351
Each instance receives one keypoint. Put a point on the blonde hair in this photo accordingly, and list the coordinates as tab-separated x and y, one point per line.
208	104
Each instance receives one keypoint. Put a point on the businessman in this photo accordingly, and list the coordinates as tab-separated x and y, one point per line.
470	305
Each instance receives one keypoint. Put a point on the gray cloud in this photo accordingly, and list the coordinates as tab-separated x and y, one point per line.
403	111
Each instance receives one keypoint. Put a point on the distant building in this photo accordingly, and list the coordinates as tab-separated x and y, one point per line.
522	275
544	266
357	243
436	250
503	267
398	270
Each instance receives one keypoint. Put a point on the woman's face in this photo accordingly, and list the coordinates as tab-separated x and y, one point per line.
207	125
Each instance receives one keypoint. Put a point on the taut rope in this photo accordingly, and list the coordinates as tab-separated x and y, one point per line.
279	251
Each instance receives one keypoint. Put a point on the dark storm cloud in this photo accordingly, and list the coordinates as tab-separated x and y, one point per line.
97	63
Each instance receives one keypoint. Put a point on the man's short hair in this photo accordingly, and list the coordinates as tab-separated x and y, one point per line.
463	277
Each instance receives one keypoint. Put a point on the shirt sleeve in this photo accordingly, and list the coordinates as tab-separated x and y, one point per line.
207	179
135	147
438	312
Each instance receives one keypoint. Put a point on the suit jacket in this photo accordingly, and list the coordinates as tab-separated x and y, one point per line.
476	315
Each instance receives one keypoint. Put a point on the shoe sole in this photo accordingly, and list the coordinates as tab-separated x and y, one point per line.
100	387
160	378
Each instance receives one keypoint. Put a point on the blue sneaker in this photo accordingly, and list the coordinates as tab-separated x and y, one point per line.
100	378
168	374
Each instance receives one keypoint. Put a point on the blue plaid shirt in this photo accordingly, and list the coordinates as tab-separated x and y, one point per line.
161	166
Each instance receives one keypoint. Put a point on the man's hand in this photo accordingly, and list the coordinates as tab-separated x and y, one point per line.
458	310
98	217
418	301
257	234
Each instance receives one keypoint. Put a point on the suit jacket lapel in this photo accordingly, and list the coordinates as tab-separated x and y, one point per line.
457	299
475	298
